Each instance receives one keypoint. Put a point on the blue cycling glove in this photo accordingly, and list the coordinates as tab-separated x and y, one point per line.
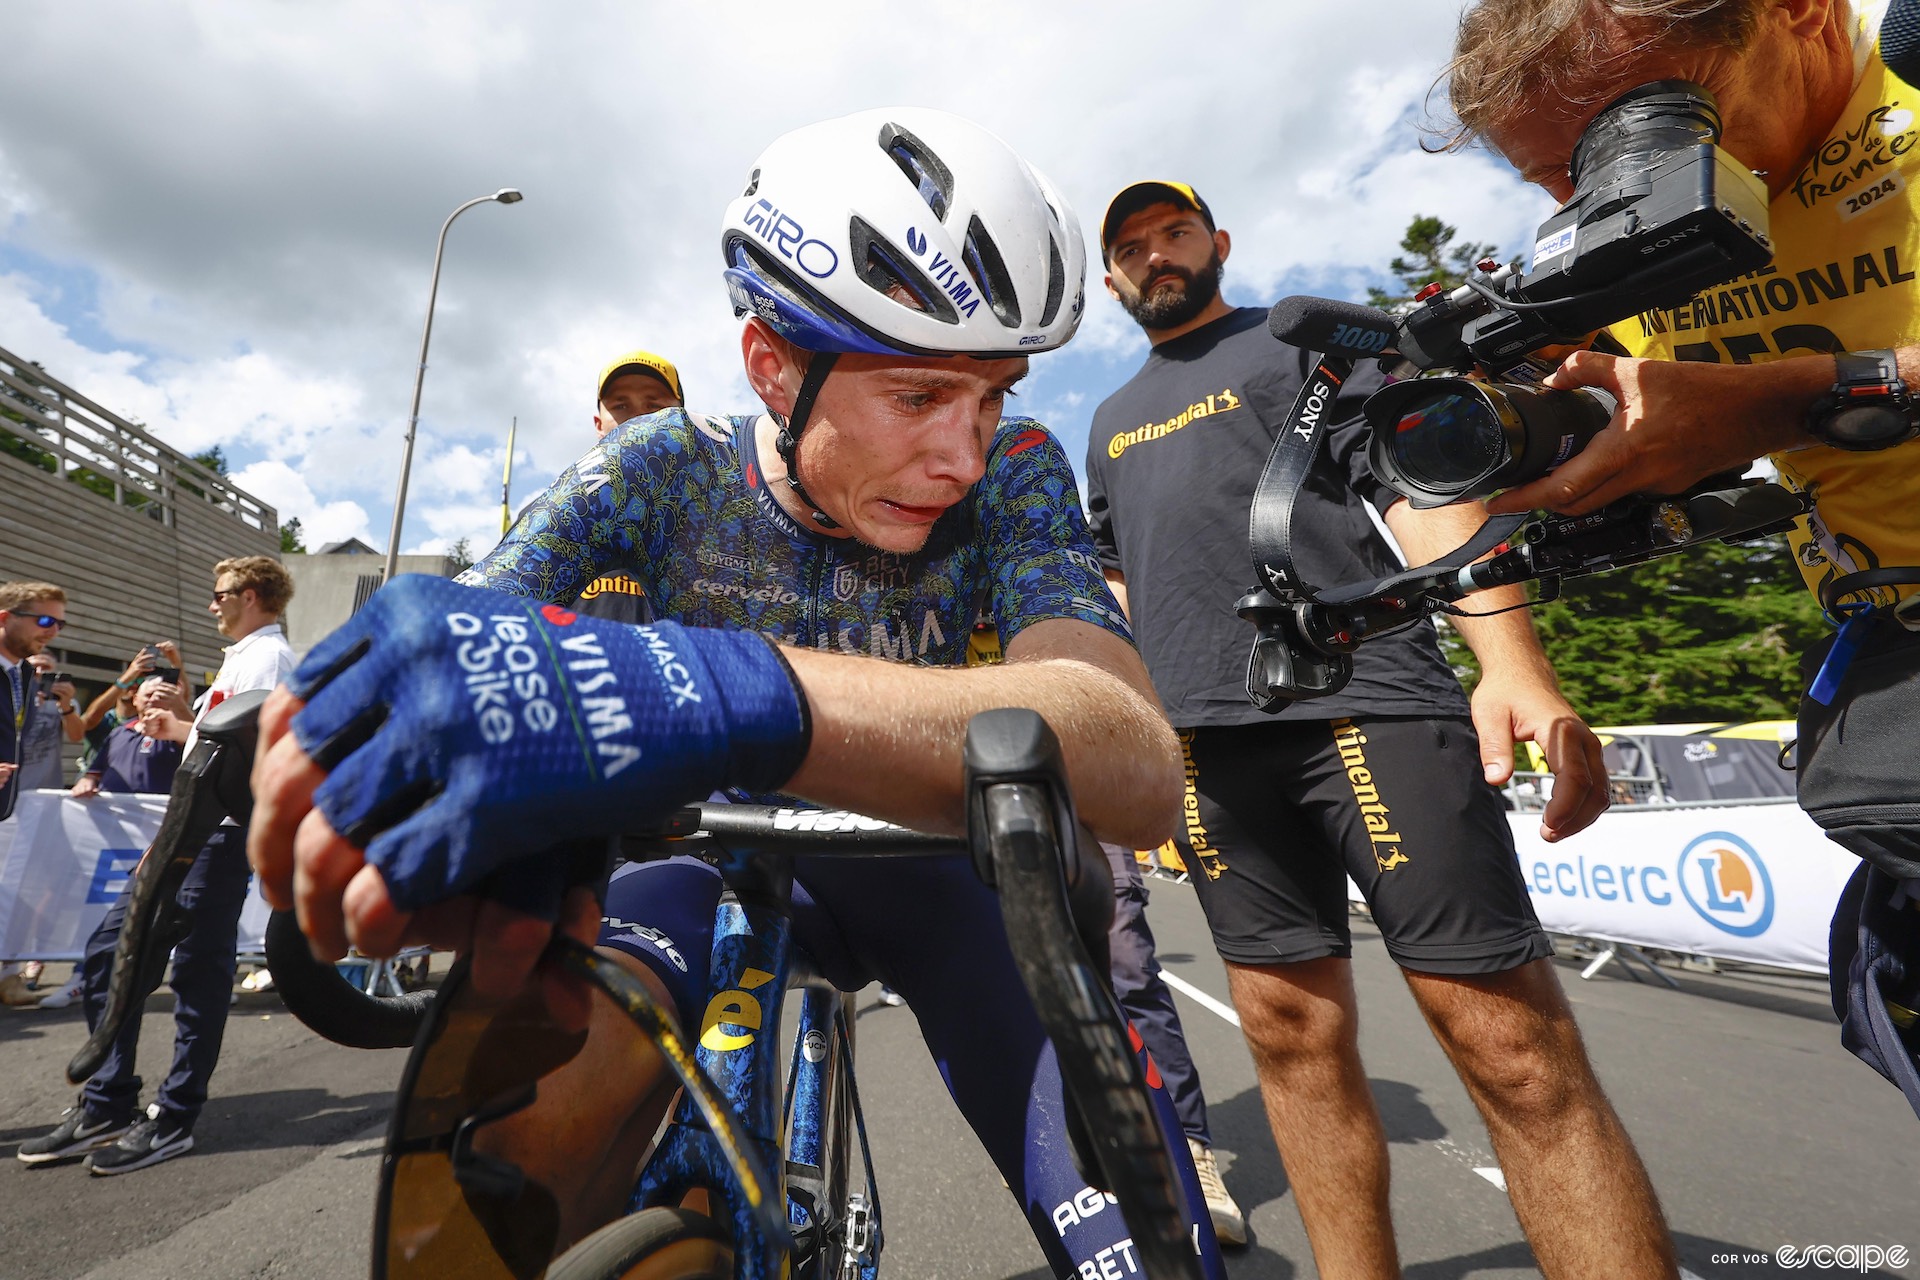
464	729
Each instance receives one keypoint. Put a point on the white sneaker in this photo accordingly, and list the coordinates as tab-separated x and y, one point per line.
258	980
1229	1224
64	996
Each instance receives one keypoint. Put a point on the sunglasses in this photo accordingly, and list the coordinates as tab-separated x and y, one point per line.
452	1201
218	596
48	622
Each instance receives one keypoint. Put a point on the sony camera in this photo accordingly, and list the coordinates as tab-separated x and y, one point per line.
1658	213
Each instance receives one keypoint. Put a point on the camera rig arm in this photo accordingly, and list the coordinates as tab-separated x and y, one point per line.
1305	637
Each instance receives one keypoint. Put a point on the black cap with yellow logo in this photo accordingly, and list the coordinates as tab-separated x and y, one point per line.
1142	195
642	362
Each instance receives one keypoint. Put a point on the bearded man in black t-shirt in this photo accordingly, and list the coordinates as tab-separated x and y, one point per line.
1391	781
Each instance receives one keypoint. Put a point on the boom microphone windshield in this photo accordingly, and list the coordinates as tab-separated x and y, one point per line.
1331	328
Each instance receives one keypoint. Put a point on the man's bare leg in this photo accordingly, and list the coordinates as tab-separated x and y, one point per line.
1577	1185
1301	1022
585	1133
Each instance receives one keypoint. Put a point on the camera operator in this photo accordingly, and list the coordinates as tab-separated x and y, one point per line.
1809	361
1386	781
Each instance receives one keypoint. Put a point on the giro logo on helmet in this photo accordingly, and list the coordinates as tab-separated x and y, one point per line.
815	257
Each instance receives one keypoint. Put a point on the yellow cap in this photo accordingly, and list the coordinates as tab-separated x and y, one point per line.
1140	195
642	362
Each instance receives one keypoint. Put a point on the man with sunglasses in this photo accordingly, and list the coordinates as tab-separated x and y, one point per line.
871	512
105	1124
31	615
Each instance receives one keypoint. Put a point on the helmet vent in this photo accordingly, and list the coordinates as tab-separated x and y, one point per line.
922	167
1056	283
984	260
892	273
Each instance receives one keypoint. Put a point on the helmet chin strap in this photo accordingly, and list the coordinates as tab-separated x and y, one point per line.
787	443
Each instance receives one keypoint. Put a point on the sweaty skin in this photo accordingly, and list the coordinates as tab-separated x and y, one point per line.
889	439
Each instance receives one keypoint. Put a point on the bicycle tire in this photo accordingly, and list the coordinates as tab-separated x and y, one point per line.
331	1007
654	1244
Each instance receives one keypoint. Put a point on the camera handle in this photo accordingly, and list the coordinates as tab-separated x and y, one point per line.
1306	638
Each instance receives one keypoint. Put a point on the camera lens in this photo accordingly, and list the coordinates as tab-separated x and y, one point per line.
1448	441
1441	440
1628	139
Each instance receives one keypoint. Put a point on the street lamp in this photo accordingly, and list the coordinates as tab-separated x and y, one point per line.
505	195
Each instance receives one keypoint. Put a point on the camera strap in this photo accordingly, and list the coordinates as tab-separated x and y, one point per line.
1270	521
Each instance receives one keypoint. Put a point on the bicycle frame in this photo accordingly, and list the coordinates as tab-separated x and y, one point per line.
738	1049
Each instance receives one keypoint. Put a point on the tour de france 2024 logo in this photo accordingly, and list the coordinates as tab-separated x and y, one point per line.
1725	882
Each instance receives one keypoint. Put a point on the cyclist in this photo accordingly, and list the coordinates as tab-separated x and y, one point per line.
896	268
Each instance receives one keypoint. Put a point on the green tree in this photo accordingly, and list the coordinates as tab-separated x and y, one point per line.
461	553
1713	633
291	542
214	460
1431	258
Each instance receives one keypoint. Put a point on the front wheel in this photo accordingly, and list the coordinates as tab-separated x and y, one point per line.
654	1244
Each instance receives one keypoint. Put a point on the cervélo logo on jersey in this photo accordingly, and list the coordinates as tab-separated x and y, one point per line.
1222	401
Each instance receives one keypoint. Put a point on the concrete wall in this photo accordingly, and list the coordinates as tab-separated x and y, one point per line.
326	588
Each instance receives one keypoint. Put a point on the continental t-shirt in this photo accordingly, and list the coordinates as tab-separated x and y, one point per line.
617	597
1172	462
1846	234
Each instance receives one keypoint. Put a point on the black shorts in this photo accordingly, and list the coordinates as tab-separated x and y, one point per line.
1278	815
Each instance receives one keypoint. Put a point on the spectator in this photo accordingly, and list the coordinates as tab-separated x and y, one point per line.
133	761
31	614
114	706
56	720
633	386
249	596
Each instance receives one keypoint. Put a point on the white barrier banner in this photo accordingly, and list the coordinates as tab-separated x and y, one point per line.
63	862
1740	882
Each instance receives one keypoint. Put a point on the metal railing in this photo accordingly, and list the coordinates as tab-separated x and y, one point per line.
50	425
1527	792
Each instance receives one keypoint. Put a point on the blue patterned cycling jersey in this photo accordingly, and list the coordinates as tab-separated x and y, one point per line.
679	501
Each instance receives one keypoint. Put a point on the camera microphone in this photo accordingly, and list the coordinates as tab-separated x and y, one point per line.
1332	328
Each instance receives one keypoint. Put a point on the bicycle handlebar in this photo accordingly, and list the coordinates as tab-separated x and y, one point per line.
1021	822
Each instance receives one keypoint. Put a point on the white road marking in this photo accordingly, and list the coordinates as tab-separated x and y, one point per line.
1688	1275
1186	988
1494	1176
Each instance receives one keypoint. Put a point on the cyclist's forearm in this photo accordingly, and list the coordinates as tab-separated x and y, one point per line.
887	740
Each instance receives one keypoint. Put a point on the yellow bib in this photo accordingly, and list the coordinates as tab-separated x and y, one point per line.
1846	236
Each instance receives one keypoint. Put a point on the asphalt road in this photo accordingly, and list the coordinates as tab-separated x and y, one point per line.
1758	1129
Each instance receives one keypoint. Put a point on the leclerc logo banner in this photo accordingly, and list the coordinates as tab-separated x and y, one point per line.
1727	883
1740	882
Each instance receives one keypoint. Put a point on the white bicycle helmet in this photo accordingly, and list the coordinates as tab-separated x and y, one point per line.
905	231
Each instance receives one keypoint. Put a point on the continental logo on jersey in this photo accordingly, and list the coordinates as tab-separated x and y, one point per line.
1764	293
613	584
1351	744
1196	831
1220	402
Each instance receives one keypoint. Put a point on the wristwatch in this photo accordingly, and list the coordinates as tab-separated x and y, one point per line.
1868	408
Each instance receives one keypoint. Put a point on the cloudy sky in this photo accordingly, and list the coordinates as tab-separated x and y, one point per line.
218	218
